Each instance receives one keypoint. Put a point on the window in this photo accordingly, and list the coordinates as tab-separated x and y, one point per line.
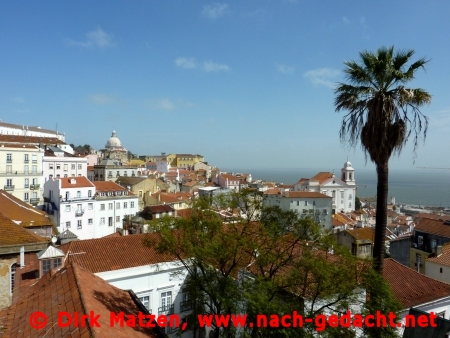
34	158
306	203
125	174
65	167
102	220
79	166
117	173
90	222
34	169
89	193
298	203
72	166
9	169
25	169
109	173
420	241
140	193
433	244
46	265
58	176
145	300
166	300
65	175
325	211
110	206
350	196
131	204
56	262
50	166
349	204
67	207
13	276
102	206
25	197
68	224
342	195
314	202
117	219
118	205
78	194
25	158
58	166
27	183
9	182
125	205
440	270
8	158
90	206
79	224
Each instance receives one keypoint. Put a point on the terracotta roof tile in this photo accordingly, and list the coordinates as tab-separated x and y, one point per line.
75	182
434	226
367	233
322	177
73	289
114	253
14	234
106	186
22	213
29	139
443	258
410	287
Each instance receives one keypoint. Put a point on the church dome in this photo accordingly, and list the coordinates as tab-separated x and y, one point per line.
113	141
347	164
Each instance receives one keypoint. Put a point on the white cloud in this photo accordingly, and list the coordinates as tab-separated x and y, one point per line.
95	38
186	63
346	20
214	67
323	76
103	99
165	104
215	11
284	68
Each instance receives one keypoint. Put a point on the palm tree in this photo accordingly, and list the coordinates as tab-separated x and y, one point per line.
381	114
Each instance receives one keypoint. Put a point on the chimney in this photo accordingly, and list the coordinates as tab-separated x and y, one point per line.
438	250
22	256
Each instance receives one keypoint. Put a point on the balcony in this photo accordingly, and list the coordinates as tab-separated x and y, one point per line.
186	306
9	187
26	161
166	310
79	213
34	200
35	186
21	173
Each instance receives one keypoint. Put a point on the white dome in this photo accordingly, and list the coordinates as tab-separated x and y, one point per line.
113	141
347	164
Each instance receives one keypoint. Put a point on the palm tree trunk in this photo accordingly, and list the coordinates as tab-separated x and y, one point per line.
381	217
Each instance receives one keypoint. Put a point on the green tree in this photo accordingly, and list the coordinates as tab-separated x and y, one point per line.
381	114
357	203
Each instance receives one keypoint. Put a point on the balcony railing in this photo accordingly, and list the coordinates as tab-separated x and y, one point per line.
79	213
34	200
26	161
9	187
167	310
21	173
35	186
186	306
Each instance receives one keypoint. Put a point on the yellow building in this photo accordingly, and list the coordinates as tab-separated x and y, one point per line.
186	161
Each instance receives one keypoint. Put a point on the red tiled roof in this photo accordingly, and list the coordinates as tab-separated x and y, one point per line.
230	177
114	253
14	234
29	139
79	182
74	290
106	186
434	226
410	287
443	258
367	233
322	177
22	213
154	209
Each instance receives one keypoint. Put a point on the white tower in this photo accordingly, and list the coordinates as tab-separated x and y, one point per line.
348	173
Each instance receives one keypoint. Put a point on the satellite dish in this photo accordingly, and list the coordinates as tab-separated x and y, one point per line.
54	239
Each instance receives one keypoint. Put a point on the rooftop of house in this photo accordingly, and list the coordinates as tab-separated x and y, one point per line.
322	177
365	234
75	182
230	177
29	139
443	258
433	226
22	213
13	234
410	287
130	180
156	209
108	186
336	223
115	253
32	128
75	290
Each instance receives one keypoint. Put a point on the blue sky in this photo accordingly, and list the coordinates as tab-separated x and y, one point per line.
247	84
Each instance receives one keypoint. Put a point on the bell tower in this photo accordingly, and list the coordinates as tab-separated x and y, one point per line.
348	173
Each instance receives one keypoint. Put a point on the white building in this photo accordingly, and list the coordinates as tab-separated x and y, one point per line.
21	171
88	210
342	191
127	263
113	204
59	164
22	130
305	203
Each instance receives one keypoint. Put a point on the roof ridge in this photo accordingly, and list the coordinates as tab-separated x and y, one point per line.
80	294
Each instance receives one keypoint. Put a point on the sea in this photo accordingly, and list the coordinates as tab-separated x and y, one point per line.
415	187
